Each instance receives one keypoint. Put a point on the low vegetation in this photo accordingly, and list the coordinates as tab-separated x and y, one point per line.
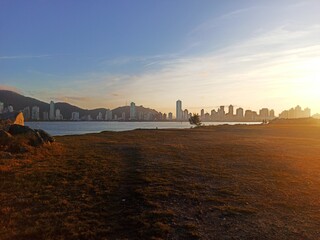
229	182
195	119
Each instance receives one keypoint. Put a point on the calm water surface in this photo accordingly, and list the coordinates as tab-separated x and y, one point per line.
72	128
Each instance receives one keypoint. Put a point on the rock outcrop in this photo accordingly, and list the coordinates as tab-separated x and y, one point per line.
19	139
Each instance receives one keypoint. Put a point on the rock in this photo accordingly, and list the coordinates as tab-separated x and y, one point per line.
24	134
45	136
16	129
5	137
34	139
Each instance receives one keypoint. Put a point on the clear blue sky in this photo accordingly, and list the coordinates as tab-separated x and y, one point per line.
207	53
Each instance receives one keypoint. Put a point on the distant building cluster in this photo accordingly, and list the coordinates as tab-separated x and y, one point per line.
5	109
296	112
221	114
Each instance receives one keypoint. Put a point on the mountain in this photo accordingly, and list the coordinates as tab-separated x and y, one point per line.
19	102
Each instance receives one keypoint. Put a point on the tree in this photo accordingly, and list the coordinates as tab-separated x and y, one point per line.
195	120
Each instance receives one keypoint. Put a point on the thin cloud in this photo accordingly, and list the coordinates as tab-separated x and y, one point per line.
10	88
17	57
215	22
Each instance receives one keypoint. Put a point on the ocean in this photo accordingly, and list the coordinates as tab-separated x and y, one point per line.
75	128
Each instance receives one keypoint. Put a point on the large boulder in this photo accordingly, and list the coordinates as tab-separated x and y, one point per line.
35	137
16	129
45	136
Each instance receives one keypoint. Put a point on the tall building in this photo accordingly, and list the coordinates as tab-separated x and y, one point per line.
58	114
307	113
221	112
26	113
164	117
75	116
140	116
10	108
179	110
248	115
239	113
51	111
296	112
272	115
213	114
186	114
202	113
123	117
99	117
35	113
1	107
230	113
108	116
284	114
45	116
132	111
170	116
264	113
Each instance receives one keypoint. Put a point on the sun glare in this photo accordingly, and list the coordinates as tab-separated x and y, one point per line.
307	91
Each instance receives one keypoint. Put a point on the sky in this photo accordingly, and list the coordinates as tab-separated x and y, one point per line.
207	53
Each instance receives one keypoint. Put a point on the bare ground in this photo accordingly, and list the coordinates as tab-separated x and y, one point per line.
225	182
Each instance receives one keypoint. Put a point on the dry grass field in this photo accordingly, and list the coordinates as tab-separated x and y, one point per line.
224	182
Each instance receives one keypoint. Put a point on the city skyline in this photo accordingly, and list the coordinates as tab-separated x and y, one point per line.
219	115
260	54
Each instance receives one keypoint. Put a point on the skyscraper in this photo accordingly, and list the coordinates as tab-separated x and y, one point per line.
132	111
221	112
1	107
230	113
58	114
26	113
179	110
108	116
186	114
264	113
307	113
75	116
239	113
272	115
99	117
45	116
35	113
51	112
10	108
202	113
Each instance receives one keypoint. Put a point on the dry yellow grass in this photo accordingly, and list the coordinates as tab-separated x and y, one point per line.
226	182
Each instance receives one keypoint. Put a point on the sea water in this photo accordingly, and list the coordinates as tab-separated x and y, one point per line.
81	127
